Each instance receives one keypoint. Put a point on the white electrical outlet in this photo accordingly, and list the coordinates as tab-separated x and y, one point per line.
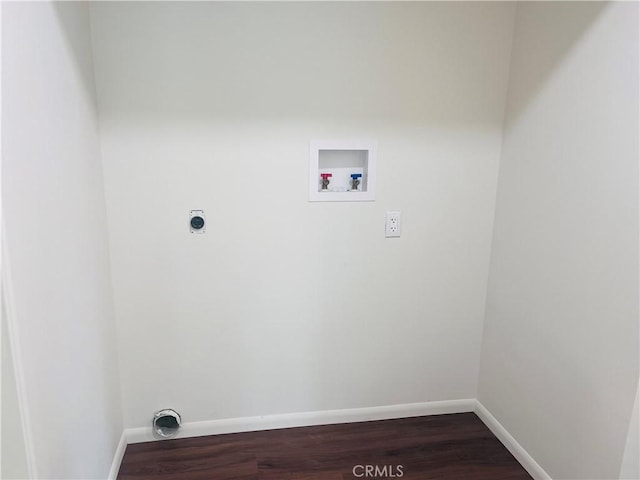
393	224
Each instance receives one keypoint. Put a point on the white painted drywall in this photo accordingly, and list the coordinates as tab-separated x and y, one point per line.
560	348
54	214
13	455
630	468
283	305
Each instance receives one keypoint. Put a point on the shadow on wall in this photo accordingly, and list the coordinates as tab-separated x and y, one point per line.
301	61
79	50
537	65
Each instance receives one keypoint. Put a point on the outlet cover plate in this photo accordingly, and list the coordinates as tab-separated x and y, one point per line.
393	224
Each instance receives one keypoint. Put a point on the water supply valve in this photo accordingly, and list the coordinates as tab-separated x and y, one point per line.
355	180
325	180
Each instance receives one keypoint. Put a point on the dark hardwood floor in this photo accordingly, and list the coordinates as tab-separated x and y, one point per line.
456	447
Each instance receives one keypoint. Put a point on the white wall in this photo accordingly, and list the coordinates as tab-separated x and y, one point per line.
560	351
13	454
283	305
54	213
630	468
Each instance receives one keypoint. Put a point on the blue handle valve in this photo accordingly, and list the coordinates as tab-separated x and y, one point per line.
355	180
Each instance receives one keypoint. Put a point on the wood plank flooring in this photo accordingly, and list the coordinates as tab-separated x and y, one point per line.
447	447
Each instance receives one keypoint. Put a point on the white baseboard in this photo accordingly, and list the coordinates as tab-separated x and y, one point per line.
289	420
520	454
327	417
118	456
306	419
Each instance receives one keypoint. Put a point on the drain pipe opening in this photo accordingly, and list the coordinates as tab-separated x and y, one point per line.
166	423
